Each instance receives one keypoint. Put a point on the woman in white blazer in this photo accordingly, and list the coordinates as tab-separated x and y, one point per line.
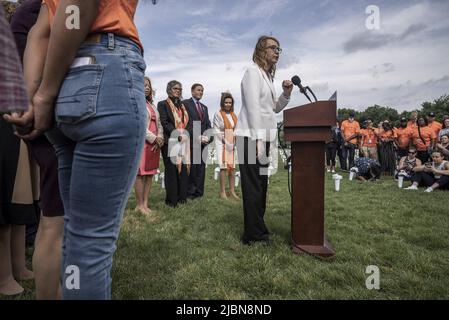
256	130
149	162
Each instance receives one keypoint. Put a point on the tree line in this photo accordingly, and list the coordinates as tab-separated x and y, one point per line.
378	113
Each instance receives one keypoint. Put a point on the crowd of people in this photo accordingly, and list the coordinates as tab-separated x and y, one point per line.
418	149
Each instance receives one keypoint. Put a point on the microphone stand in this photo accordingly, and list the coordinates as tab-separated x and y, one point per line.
313	94
304	92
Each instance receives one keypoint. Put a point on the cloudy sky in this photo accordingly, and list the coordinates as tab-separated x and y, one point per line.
326	43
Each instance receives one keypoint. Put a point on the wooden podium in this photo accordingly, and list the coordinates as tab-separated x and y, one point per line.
308	128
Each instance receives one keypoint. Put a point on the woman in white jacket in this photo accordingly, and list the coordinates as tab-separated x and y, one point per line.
256	129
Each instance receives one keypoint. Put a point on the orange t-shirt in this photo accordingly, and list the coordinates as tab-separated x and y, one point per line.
436	127
404	135
385	135
369	138
411	125
427	135
348	129
114	16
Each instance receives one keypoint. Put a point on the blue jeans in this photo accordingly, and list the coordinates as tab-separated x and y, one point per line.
101	121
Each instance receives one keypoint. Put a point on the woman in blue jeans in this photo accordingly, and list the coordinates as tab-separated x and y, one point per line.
92	80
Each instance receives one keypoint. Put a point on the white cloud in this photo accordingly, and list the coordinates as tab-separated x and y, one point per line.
214	46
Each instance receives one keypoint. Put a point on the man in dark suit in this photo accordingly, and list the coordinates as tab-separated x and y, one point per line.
200	123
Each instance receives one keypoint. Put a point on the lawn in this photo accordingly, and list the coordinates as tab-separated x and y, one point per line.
194	252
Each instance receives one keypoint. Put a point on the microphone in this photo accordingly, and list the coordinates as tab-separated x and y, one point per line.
297	82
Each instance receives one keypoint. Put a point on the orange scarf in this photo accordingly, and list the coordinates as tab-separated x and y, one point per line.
181	120
229	137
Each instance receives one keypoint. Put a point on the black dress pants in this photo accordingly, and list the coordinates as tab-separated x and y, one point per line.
331	153
426	179
254	190
175	183
196	180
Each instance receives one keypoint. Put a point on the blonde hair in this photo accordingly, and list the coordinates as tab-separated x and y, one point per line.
260	55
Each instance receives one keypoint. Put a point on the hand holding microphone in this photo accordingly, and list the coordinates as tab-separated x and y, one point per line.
297	82
287	86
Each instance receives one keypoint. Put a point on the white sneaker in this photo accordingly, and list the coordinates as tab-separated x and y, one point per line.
412	187
333	170
328	170
429	190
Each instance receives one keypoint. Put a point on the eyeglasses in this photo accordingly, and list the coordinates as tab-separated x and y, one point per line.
177	89
276	49
411	152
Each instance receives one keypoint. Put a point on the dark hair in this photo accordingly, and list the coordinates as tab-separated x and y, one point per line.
196	85
424	118
171	84
151	96
444	123
438	151
224	96
376	170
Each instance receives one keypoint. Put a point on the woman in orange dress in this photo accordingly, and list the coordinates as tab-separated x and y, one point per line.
149	163
225	121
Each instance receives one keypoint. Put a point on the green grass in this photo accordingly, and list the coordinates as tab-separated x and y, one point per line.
194	252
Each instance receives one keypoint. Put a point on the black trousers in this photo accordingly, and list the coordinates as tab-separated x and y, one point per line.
423	156
425	179
331	153
340	156
348	156
254	190
196	180
175	183
400	153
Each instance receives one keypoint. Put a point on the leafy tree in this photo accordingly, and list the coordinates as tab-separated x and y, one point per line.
343	113
439	106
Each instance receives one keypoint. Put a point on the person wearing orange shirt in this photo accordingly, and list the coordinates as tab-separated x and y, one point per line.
412	123
403	139
434	125
423	139
349	128
387	155
89	80
368	143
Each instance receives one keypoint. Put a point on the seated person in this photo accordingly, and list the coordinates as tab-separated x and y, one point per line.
433	175
368	169
408	163
443	146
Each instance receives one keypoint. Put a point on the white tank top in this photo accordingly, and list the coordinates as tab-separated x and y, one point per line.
440	167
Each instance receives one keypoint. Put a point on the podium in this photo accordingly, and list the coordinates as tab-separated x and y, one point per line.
308	128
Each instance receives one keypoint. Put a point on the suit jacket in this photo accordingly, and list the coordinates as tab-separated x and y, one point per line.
259	104
168	123
194	116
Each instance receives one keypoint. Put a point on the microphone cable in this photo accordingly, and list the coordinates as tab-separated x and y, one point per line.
287	159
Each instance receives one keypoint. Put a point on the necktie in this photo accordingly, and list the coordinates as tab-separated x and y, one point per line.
200	110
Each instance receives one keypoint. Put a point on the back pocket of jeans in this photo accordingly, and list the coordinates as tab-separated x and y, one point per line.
77	100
